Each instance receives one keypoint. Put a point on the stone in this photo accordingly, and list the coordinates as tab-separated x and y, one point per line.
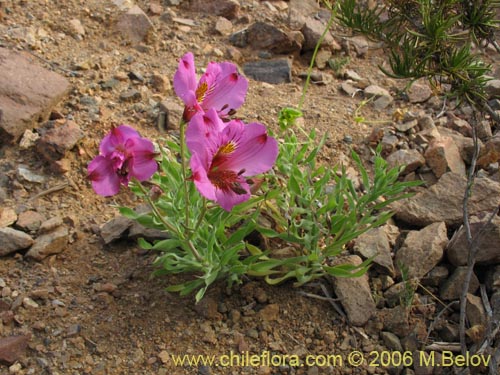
29	139
443	155
7	216
77	27
12	240
12	348
322	58
360	45
225	8
443	201
171	113
160	83
475	310
483	130
115	228
391	341
270	312
422	249
57	138
406	126
29	221
271	71
435	277
465	144
134	25
348	88
411	159
50	243
223	26
207	308
419	92
375	91
50	224
459	125
27	174
375	244
354	293
299	10
27	94
150	234
490	153
394	320
265	36
451	289
312	31
131	95
488	243
492	88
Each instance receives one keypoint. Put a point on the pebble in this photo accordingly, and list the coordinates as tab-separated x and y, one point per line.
130	95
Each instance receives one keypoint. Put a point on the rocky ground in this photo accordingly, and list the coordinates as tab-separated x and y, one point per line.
76	292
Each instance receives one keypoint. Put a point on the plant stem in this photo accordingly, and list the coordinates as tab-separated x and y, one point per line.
167	225
200	217
313	59
182	128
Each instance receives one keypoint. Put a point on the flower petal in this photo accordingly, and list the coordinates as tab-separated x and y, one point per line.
203	130
227	199
117	136
104	179
228	92
185	78
256	152
200	178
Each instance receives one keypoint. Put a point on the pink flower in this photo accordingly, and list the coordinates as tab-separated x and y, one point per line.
220	87
123	155
224	155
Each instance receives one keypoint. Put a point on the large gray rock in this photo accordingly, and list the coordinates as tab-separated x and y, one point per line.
28	92
354	294
488	243
443	201
12	240
270	71
422	250
411	159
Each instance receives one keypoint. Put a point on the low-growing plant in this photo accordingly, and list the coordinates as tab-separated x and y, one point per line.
207	192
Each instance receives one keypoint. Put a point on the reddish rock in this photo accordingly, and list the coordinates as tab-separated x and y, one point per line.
419	92
57	138
422	250
223	26
354	293
27	94
312	30
443	156
29	220
488	243
225	8
443	201
411	159
134	25
7	217
48	244
13	347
